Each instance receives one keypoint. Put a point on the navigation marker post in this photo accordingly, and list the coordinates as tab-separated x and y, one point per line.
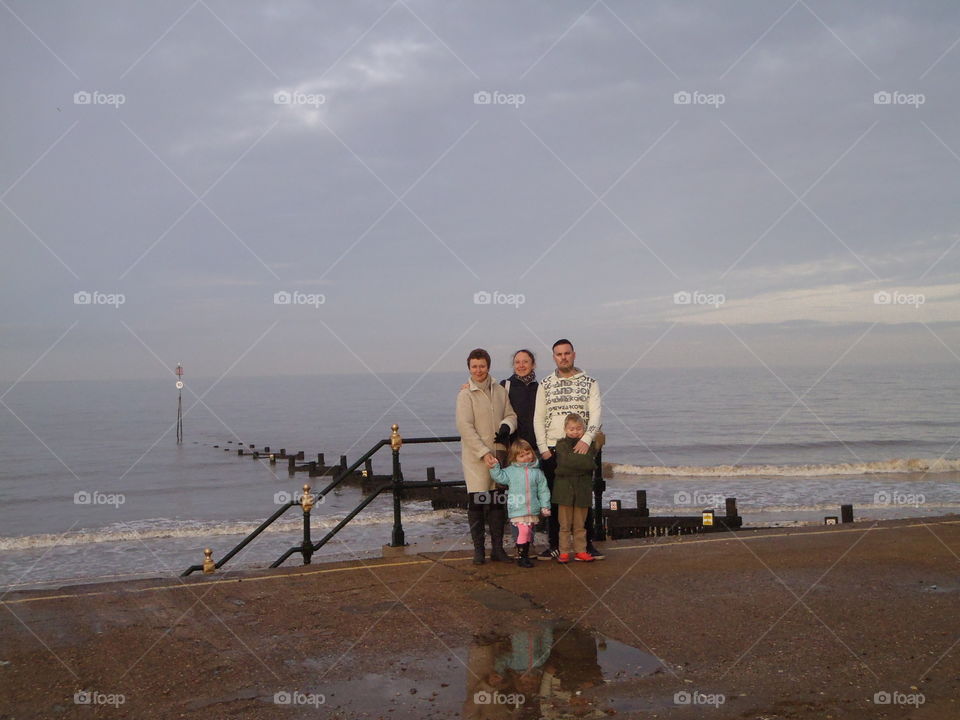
179	372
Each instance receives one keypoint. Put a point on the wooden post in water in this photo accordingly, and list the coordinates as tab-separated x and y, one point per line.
846	513
320	460
343	464
731	507
642	503
368	467
291	464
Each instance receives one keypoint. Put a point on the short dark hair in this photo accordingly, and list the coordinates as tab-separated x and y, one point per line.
562	341
533	359
479	354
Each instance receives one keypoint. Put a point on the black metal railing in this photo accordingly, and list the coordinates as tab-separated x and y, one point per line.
396	485
306	548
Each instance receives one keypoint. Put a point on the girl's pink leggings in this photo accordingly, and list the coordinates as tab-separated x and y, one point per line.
524	533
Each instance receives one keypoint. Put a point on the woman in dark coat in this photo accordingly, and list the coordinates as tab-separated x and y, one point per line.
521	387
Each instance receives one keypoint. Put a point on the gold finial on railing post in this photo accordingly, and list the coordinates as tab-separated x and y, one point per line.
208	565
306	502
395	440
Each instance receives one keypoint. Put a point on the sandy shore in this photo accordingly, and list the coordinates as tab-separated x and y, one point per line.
806	623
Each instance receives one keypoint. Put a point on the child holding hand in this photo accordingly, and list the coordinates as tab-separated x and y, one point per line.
527	495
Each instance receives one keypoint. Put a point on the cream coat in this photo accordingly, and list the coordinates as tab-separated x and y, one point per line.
479	415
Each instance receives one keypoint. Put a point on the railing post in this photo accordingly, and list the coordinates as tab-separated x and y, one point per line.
397	539
209	566
306	502
599	485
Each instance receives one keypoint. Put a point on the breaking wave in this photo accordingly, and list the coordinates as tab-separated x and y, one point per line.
134	532
879	467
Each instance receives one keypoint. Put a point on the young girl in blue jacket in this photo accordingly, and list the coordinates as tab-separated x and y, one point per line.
527	495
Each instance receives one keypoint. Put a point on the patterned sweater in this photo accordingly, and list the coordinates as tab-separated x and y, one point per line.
556	398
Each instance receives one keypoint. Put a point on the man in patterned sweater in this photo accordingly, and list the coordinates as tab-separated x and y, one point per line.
567	390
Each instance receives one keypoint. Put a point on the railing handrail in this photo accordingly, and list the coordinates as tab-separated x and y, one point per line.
345	473
356	511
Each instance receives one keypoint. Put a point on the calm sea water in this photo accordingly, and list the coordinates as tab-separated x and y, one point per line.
790	448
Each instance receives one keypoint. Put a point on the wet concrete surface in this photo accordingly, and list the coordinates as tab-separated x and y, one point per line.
774	625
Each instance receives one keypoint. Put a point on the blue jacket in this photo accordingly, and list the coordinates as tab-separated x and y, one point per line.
527	490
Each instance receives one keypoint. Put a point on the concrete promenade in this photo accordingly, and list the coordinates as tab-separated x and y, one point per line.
853	621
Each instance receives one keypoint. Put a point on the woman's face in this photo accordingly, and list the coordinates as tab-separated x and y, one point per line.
522	364
478	369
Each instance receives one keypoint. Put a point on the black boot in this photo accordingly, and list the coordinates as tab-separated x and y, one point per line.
524	551
497	516
475	518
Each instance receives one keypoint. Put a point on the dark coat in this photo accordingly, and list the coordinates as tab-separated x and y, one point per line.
523	400
573	482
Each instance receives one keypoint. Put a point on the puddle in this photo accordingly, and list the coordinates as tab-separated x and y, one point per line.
547	669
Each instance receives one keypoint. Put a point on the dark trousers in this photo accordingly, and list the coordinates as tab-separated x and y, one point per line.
490	508
549	468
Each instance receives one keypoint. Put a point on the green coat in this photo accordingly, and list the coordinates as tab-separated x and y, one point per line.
573	482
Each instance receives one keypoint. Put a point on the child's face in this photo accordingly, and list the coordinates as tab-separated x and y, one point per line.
574	430
525	456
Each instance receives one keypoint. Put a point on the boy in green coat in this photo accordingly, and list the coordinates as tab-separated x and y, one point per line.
572	490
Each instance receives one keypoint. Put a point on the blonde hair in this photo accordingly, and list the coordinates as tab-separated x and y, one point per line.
518	447
574	418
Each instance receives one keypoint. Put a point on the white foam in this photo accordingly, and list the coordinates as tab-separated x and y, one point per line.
894	465
160	528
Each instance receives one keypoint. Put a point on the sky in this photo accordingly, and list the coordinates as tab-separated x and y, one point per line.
285	188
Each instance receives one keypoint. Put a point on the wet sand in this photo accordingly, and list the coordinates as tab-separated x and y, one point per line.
825	622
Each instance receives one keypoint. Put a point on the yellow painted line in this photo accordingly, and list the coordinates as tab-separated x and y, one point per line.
355	568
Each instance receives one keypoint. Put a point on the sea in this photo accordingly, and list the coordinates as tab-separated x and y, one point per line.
94	486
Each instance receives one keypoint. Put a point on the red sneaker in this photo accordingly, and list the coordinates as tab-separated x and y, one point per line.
563	558
583	557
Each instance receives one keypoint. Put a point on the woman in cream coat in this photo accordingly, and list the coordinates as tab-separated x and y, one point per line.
484	419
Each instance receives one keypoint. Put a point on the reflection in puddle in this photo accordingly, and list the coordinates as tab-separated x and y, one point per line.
540	672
